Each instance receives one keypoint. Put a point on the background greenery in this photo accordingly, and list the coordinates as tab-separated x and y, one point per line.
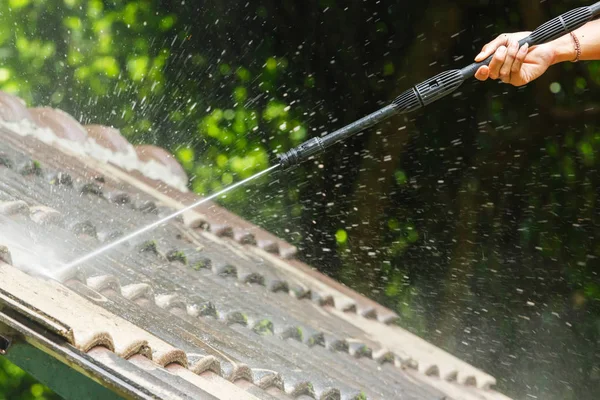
476	219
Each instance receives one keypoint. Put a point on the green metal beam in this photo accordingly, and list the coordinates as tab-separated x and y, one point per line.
62	379
63	368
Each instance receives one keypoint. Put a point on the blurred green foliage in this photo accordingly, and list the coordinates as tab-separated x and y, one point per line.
17	384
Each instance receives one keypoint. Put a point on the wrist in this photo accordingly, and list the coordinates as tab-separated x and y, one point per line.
563	49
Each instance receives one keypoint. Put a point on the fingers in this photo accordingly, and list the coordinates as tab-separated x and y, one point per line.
491	47
511	54
519	59
497	62
482	73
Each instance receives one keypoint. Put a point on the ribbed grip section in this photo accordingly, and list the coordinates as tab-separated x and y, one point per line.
408	101
439	86
560	25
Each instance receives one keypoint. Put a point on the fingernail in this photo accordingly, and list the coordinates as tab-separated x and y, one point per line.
480	55
501	50
525	47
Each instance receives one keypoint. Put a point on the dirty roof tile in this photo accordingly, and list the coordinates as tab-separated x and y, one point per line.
108	137
61	123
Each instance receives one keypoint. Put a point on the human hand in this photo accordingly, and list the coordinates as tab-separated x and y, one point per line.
511	64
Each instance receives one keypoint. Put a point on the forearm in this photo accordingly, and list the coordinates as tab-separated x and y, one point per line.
589	40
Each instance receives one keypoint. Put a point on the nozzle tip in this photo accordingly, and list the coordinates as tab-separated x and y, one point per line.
285	159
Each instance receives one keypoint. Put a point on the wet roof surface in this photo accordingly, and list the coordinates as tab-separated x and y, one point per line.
207	298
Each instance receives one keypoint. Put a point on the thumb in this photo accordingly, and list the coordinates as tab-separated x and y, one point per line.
483	54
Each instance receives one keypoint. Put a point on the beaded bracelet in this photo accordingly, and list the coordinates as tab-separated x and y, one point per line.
577	47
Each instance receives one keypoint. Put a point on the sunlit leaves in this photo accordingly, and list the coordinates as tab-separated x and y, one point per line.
5	74
35	50
271	64
138	67
16	384
94	9
166	23
229	114
186	157
75	58
107	66
580	83
224	69
309	82
592	290
274	110
16	4
130	13
298	134
388	69
240	94
400	176
72	3
73	23
243	74
222	160
341	236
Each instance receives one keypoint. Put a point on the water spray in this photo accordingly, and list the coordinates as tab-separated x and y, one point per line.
412	99
153	225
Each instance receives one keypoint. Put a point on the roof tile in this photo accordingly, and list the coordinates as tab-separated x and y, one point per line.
14	207
108	137
13	109
62	124
148	153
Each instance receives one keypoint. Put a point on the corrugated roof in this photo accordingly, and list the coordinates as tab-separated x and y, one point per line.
214	300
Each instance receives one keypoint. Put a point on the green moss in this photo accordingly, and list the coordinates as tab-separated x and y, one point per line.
364	351
237	318
149	246
388	358
361	396
228	270
175	255
315	340
32	168
208	310
92	188
310	388
202	264
62	179
5	160
264	327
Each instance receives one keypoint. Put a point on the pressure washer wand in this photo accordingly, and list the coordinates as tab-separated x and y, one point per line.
435	88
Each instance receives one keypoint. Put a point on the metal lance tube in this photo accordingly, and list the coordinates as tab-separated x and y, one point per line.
435	88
